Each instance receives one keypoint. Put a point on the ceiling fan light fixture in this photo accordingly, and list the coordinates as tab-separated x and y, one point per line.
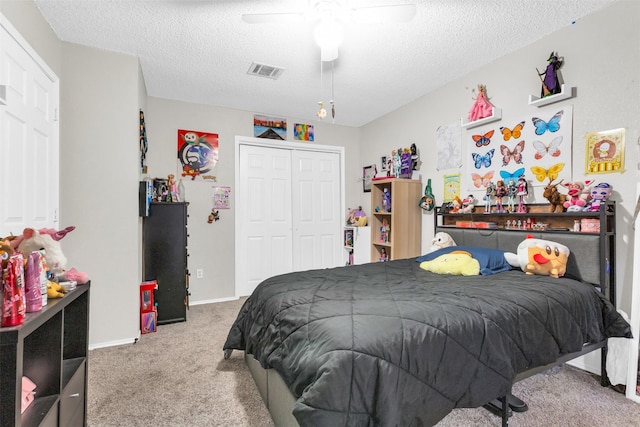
328	35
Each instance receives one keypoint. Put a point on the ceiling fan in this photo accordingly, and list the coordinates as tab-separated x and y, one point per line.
329	14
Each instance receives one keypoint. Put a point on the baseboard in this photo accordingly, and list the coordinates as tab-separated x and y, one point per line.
115	343
211	301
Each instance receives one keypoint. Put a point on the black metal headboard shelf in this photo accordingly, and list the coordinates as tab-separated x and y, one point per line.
592	258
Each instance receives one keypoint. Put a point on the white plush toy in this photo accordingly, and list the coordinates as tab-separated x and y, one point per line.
441	240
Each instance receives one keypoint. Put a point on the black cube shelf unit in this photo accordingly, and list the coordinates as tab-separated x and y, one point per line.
50	348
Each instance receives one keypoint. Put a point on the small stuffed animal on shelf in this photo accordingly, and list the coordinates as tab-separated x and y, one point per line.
599	194
555	198
577	195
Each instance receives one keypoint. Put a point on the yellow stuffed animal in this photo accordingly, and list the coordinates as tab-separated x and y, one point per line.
456	262
54	290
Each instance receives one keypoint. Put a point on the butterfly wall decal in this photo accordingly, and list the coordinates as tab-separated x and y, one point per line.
551	149
483	160
552	173
512	133
483	139
515	154
481	181
553	125
507	176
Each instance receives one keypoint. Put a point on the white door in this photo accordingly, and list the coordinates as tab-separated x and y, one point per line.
317	219
263	210
28	137
288	210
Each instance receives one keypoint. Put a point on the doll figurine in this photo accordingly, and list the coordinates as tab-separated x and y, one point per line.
482	107
489	193
500	191
386	200
512	192
522	194
397	162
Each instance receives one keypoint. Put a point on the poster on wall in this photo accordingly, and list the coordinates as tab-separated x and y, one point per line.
451	187
221	197
605	151
448	143
269	127
303	132
536	146
198	154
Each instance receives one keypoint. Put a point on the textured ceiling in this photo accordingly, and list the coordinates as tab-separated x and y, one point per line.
200	51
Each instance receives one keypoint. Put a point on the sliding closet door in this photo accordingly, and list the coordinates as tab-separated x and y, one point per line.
264	225
317	215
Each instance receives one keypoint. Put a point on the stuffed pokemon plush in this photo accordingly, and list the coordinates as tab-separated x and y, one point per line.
456	262
441	240
55	290
543	257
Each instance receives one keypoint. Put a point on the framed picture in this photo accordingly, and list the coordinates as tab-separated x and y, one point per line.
368	172
383	163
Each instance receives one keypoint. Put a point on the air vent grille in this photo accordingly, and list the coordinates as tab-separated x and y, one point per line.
262	70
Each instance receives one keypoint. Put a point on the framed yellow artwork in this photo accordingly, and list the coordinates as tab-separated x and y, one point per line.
605	152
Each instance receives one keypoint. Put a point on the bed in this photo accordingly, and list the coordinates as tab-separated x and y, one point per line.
392	344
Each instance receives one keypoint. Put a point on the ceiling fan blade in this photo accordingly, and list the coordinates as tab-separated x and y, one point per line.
386	13
261	18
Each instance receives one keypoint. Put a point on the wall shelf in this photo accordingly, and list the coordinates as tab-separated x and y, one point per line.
566	92
494	117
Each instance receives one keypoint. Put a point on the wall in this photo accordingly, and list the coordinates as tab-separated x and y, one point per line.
602	56
211	246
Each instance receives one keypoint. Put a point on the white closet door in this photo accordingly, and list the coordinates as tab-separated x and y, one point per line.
264	216
317	215
28	137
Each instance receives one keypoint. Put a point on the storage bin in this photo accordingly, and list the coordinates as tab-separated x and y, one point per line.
590	225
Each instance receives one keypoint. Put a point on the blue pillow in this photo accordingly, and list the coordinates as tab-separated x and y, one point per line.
491	261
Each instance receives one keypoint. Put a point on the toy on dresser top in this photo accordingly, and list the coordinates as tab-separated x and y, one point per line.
48	241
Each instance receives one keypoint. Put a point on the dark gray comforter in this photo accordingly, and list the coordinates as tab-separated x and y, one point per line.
393	345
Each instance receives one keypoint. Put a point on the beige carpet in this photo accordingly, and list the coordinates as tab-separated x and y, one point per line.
178	377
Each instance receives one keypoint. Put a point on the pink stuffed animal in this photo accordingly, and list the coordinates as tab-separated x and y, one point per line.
577	195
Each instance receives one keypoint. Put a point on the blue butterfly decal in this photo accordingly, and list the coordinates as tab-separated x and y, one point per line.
553	125
506	176
481	160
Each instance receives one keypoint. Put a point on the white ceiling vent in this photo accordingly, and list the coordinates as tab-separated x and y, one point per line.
262	70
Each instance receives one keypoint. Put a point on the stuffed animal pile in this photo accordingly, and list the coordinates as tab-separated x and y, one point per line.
46	239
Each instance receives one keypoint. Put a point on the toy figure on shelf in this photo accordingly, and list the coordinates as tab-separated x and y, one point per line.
384	231
482	107
577	195
405	163
522	194
550	83
383	255
172	195
512	192
386	200
415	158
599	194
397	162
488	195
501	191
468	204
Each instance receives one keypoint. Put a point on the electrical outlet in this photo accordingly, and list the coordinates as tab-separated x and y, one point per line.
199	273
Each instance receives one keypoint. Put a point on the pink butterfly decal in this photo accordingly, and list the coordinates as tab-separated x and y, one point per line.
552	149
515	154
481	181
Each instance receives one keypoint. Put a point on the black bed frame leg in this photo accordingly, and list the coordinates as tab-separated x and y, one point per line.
505	410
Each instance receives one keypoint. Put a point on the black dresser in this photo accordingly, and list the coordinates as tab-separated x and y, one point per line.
164	255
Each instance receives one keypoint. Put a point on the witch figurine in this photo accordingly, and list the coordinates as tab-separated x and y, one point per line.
550	83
